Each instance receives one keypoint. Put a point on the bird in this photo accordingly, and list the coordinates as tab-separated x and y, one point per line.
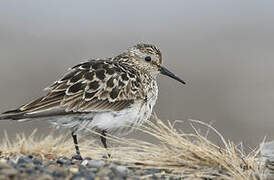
110	96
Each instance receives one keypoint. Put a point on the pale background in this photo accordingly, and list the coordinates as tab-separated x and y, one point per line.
224	50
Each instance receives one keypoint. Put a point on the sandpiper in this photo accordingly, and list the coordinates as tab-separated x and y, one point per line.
110	95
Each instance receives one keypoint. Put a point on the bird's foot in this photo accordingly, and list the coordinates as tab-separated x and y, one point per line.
77	157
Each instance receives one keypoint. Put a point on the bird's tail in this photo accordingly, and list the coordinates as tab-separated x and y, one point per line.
12	115
22	116
33	110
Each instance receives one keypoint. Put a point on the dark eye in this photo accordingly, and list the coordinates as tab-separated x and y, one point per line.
148	59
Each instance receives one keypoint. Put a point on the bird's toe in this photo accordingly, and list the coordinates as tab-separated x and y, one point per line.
77	157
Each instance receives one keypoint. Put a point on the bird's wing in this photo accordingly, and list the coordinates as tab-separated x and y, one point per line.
96	85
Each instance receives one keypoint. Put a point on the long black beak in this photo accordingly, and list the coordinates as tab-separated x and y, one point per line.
166	72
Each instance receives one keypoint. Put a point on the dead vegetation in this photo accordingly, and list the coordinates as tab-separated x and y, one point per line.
189	155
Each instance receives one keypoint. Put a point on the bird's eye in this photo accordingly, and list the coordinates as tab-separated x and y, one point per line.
148	59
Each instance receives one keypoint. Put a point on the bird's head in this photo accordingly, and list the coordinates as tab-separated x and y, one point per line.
148	58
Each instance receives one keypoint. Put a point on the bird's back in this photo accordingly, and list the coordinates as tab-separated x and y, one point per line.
93	86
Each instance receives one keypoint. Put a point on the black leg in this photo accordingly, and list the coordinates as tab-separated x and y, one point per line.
104	140
78	155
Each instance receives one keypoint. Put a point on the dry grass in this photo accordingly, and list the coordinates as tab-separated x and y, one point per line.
184	154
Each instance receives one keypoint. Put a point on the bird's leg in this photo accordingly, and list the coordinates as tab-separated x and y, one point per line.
104	140
78	155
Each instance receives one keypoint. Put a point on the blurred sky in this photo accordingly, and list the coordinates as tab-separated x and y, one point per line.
224	50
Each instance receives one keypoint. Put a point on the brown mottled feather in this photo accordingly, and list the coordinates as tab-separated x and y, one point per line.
96	85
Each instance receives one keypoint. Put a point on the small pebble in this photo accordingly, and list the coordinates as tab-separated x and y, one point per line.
77	177
30	171
82	169
4	166
89	177
87	174
23	160
51	168
112	165
152	171
39	168
45	177
93	169
37	161
96	163
10	172
85	162
73	170
63	160
104	172
50	156
121	171
59	173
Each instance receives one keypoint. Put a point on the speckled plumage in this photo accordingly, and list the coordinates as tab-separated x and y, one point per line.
112	95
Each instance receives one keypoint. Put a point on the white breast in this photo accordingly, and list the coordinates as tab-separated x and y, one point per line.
123	122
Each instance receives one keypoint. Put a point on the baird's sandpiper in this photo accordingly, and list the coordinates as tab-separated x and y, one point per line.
110	96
